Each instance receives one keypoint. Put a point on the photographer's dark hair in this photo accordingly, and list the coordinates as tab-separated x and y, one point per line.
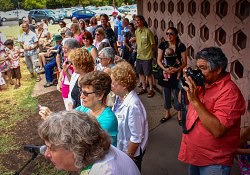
214	56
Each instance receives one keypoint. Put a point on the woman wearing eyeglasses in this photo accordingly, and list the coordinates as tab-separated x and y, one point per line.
94	88
170	85
88	44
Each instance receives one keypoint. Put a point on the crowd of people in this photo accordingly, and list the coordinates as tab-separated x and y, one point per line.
95	67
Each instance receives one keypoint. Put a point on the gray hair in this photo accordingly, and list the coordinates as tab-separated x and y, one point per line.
77	132
69	33
71	43
214	56
108	52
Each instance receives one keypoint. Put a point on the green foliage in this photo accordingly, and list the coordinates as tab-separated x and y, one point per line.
6	5
34	4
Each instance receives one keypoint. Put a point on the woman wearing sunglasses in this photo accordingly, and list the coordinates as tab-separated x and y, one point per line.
88	44
100	37
94	88
170	86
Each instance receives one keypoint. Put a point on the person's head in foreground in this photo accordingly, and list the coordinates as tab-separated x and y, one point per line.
74	140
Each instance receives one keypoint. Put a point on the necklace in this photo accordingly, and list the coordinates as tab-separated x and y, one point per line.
97	112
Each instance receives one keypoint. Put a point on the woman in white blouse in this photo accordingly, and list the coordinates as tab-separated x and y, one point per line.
130	112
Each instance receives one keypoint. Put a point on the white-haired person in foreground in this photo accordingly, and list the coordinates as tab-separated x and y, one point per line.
76	142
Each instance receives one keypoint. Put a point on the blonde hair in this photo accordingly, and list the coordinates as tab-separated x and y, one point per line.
124	74
82	59
101	31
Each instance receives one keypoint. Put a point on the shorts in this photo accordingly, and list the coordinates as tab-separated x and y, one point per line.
144	67
16	73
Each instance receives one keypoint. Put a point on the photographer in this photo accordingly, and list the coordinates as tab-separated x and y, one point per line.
214	114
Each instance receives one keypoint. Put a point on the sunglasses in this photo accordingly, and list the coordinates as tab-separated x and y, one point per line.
86	38
86	94
97	34
170	33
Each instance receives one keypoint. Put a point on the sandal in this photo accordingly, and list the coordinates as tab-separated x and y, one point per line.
38	79
164	119
142	91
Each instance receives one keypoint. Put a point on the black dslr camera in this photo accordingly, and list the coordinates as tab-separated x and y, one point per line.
195	74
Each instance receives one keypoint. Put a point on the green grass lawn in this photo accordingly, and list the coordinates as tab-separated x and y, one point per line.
15	106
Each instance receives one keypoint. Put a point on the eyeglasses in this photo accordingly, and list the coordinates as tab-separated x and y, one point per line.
86	94
170	33
97	34
86	38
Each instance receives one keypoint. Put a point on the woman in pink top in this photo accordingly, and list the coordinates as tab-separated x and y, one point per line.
75	29
67	68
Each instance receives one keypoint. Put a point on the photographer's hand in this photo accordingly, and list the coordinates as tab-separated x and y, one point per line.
192	91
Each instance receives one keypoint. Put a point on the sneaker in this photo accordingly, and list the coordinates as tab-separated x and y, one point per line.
151	93
48	84
41	71
142	91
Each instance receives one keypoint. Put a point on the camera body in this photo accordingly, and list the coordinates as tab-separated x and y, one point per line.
196	76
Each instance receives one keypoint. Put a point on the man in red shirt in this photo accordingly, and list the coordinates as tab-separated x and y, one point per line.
214	112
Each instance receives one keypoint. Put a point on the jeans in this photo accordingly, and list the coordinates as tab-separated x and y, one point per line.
167	94
49	70
209	170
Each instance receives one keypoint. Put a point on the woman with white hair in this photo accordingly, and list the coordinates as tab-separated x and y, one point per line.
106	57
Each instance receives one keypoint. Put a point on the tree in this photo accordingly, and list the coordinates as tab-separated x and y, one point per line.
6	5
34	4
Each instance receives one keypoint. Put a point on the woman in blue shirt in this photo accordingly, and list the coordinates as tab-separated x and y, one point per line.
94	88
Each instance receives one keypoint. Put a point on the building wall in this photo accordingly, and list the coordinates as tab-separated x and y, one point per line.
204	23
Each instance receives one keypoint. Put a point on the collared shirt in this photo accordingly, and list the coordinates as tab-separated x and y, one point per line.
132	122
29	39
144	41
199	147
114	162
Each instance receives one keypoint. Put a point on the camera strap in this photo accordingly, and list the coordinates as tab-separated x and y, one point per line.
184	114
